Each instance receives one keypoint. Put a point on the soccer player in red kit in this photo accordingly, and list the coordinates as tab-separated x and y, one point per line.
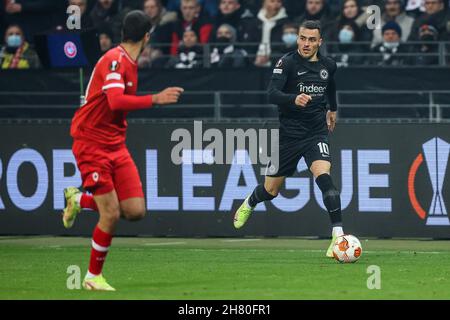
98	129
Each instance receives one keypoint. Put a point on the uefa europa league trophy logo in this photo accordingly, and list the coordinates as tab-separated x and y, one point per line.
436	152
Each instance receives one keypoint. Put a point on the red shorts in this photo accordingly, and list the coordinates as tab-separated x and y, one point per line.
104	169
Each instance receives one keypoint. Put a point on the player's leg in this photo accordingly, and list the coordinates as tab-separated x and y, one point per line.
128	185
331	198
95	167
263	192
133	209
90	161
267	191
318	159
109	211
289	155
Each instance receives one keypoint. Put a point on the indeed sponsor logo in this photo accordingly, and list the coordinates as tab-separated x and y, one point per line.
311	88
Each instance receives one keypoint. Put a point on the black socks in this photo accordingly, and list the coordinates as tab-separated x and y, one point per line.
260	194
331	198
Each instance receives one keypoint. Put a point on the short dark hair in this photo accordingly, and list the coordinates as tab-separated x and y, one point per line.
135	25
290	25
312	24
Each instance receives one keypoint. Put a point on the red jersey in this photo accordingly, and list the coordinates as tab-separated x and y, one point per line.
102	118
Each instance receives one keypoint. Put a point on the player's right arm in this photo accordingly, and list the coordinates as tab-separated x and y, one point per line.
276	86
302	99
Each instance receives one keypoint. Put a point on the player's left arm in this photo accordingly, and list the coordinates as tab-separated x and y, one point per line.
332	101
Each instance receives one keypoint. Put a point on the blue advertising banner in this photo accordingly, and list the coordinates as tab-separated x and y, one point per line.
393	179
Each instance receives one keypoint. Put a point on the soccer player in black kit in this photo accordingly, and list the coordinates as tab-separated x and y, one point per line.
302	85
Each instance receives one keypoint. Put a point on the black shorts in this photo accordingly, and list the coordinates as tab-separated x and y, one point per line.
291	150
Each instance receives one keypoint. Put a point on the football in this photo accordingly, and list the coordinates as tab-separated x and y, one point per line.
347	248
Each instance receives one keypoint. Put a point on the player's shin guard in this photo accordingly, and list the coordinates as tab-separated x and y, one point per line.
331	199
260	194
101	242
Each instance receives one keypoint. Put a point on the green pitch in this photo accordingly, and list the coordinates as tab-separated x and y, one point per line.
174	268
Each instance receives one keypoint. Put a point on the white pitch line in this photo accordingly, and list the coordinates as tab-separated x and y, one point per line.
163	243
240	240
51	247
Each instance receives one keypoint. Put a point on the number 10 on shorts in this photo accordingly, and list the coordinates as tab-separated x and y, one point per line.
323	147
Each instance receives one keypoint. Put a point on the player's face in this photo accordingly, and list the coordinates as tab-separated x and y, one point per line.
309	41
229	6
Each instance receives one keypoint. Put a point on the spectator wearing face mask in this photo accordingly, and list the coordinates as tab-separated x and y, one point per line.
289	41
290	36
190	53
17	53
350	12
225	54
34	16
393	10
391	52
428	51
348	51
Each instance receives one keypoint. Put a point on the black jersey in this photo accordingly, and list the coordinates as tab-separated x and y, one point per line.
294	75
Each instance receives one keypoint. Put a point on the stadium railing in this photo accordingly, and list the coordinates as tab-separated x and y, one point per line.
359	53
355	106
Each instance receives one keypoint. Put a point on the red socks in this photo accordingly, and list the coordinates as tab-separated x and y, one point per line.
100	245
87	202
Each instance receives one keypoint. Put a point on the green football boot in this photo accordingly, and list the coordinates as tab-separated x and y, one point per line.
97	283
242	214
330	248
72	206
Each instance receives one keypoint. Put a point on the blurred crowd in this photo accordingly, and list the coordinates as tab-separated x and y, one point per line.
239	33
